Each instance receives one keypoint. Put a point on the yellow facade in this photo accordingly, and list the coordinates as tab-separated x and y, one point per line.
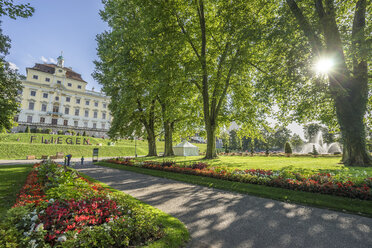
56	97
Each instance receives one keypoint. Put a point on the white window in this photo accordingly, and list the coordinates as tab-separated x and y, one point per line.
43	107
59	82
45	95
35	77
104	105
77	112
104	116
57	98
31	105
95	104
87	103
67	111
95	114
76	123
103	125
29	119
47	79
68	99
42	119
65	122
86	113
69	85
77	101
33	93
79	86
85	124
94	125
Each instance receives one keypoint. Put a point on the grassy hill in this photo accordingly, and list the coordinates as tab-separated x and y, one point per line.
18	146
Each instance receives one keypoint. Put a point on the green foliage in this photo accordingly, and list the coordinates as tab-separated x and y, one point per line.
234	141
315	152
84	133
10	84
27	130
287	148
48	131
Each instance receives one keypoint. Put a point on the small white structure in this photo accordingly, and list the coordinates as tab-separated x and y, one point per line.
186	149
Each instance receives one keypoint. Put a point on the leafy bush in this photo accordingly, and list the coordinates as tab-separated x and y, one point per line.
48	130
60	132
58	208
287	148
315	152
27	130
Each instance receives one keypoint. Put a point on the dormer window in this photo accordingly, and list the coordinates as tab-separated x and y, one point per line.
69	84
59	82
35	77
47	79
60	71
79	86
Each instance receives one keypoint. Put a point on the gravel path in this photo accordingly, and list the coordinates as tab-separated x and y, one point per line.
217	218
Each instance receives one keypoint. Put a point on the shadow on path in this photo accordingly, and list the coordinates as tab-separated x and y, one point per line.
217	218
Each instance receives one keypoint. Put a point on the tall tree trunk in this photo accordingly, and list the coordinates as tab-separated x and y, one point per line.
211	140
151	140
168	136
350	113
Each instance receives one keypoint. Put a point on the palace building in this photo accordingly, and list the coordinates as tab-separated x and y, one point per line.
55	97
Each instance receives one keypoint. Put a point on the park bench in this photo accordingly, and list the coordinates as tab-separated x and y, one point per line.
30	157
60	155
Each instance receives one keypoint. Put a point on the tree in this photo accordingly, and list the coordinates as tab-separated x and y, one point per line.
347	44
296	141
281	136
219	37
311	130
234	141
287	148
9	79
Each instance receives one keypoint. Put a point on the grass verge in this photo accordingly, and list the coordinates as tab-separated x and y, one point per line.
337	203
176	234
12	178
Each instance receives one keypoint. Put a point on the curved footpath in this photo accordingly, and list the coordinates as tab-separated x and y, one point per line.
217	218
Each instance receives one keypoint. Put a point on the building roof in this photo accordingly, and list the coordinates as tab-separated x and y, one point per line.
185	143
50	68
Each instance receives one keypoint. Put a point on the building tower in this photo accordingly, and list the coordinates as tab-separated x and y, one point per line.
61	61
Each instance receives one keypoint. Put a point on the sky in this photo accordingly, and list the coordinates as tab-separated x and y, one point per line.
69	26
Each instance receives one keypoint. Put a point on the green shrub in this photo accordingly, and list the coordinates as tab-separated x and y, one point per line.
73	132
315	152
48	130
61	132
287	148
27	130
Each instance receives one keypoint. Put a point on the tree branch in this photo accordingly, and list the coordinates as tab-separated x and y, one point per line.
314	40
358	37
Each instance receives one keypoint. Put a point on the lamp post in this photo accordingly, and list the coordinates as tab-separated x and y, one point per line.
135	147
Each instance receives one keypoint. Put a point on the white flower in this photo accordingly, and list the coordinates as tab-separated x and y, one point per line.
32	226
26	234
39	227
33	243
51	200
35	218
62	238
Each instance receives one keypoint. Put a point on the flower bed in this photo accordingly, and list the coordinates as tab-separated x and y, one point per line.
59	208
334	183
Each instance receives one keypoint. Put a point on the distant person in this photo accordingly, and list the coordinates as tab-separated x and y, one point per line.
69	156
82	160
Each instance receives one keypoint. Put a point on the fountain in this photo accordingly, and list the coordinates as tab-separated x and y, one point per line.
320	146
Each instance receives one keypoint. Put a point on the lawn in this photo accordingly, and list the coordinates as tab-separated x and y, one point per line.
259	162
18	146
12	178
